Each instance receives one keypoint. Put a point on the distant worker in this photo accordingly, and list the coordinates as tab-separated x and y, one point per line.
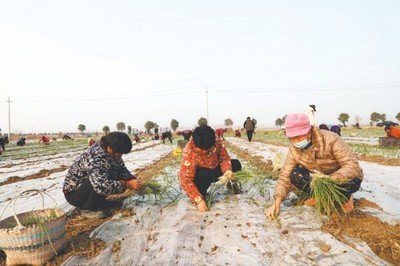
186	134
238	134
136	138
310	112
336	129
91	142
166	135
392	132
21	142
3	142
324	127
220	132
45	140
65	136
249	126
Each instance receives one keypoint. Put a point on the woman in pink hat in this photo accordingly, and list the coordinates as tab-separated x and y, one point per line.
310	150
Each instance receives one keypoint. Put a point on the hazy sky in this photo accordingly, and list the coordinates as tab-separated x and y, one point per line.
100	62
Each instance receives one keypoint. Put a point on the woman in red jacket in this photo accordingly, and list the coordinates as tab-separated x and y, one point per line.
392	131
205	158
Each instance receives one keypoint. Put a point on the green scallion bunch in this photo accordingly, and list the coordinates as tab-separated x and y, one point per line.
327	194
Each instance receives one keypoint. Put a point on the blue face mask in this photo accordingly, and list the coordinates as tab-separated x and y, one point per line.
302	144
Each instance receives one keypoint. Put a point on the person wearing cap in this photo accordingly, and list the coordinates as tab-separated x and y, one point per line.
204	160
311	149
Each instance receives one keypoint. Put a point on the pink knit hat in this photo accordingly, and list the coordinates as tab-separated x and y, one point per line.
297	125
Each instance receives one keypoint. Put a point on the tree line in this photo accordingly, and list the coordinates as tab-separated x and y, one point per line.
344	118
149	125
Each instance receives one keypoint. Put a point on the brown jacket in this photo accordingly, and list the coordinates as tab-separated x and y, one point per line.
328	154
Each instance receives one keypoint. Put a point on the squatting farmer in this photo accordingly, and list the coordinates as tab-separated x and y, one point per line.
45	140
205	158
220	132
392	132
186	134
238	134
98	172
166	135
91	142
136	138
313	149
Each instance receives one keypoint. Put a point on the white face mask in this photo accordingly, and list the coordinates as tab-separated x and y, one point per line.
301	144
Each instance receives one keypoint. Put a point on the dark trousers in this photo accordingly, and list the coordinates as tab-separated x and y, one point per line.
249	134
86	198
170	139
205	177
301	179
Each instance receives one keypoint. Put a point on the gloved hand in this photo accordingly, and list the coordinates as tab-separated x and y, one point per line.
133	184
226	177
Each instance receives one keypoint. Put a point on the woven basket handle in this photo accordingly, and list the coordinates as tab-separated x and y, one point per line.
14	200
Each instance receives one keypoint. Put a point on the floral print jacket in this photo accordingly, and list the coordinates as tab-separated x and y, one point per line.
100	168
194	157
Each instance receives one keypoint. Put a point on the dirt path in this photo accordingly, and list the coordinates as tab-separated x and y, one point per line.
42	173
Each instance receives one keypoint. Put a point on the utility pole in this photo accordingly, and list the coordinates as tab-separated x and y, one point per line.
207	104
9	118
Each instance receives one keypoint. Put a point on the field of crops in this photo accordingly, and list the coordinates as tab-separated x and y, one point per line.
165	228
355	142
35	148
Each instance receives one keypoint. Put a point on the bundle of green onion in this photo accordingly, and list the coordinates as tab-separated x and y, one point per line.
243	176
327	194
151	187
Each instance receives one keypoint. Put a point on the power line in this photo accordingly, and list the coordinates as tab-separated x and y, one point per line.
170	92
110	97
306	89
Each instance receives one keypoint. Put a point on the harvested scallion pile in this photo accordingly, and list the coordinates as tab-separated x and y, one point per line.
327	194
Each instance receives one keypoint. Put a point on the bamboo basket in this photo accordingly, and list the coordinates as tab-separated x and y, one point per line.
32	237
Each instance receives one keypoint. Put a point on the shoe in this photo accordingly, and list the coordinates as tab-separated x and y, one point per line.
349	205
310	202
93	214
